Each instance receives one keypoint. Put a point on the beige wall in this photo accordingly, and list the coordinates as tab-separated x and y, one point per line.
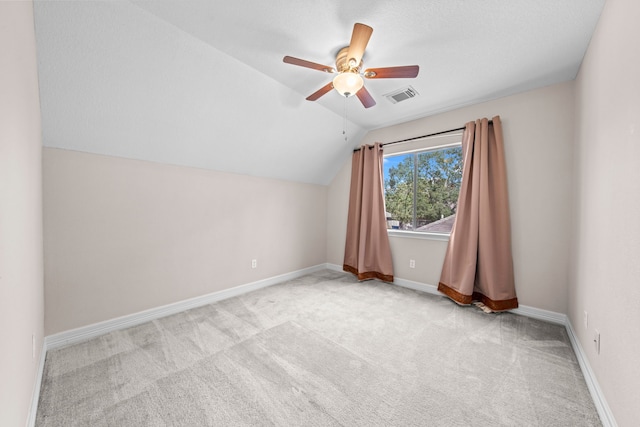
123	235
21	290
605	276
538	130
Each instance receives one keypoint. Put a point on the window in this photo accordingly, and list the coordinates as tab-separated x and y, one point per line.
421	189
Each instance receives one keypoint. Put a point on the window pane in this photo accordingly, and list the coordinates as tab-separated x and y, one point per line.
398	184
428	204
438	184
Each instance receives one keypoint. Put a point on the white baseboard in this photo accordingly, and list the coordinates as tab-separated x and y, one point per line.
91	331
417	286
522	310
31	420
606	416
334	267
540	314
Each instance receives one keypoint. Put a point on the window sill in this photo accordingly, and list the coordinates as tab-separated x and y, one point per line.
416	235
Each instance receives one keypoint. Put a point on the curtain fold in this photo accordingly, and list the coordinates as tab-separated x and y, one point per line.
478	264
367	253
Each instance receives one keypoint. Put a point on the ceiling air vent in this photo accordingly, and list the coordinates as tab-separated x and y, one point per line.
402	95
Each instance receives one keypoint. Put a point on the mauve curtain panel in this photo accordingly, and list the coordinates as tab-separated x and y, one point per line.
367	253
478	264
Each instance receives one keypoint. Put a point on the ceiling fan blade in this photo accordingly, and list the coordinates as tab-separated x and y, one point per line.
359	39
365	97
406	72
317	94
307	64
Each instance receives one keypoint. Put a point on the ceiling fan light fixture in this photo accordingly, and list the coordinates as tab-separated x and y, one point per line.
348	83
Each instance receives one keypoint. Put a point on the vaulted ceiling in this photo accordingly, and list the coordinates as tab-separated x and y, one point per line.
202	83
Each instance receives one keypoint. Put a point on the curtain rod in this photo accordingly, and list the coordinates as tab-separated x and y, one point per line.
419	137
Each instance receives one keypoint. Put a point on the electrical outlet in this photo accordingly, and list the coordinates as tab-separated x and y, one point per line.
412	263
596	341
586	320
254	263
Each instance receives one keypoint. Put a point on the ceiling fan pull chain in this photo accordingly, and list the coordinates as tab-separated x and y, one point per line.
344	125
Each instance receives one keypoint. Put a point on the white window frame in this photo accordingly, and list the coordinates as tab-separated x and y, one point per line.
427	144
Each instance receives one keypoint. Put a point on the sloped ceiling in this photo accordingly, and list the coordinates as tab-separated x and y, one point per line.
202	83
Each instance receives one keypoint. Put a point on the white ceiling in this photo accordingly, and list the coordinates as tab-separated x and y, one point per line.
202	83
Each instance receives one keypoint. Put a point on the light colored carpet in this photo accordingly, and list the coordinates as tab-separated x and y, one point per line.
322	350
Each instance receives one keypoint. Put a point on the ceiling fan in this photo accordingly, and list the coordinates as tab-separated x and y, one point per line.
348	80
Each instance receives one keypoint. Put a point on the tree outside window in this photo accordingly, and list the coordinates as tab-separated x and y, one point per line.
421	189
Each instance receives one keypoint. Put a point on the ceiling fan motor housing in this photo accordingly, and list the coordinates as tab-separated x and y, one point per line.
342	62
